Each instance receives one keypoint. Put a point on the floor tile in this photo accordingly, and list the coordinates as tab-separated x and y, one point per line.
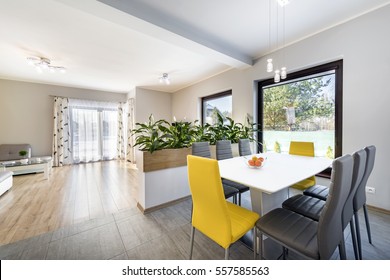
99	243
162	248
139	229
80	227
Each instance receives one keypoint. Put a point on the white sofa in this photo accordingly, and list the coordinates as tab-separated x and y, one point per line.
5	181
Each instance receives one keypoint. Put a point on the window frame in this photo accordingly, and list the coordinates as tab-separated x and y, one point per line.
212	97
337	66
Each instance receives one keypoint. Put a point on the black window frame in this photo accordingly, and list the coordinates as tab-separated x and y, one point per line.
337	66
212	97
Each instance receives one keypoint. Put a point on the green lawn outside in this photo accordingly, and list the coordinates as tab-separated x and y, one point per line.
322	139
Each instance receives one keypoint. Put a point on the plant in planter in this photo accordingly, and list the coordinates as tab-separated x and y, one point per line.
233	131
218	131
158	135
178	134
201	132
148	136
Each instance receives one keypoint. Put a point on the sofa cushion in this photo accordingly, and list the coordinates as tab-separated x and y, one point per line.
11	151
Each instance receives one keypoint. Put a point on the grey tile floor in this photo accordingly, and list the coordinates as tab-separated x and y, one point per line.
163	234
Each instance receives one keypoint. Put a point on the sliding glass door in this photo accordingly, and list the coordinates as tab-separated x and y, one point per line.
94	130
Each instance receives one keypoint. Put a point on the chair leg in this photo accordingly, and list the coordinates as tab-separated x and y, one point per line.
353	234
367	223
191	242
359	240
227	253
254	243
260	245
239	199
285	253
343	255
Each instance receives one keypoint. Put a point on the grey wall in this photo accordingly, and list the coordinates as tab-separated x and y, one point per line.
364	46
26	111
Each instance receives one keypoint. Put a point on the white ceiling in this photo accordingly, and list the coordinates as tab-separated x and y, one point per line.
116	45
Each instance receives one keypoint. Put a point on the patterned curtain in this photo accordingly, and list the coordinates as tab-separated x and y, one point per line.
61	132
121	147
130	126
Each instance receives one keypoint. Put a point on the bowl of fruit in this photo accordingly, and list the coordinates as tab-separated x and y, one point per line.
255	162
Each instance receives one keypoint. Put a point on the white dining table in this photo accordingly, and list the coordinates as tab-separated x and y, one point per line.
269	184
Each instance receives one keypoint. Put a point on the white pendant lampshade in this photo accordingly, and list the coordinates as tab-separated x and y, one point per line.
277	76
270	66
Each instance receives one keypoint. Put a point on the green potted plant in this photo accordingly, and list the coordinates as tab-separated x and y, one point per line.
23	154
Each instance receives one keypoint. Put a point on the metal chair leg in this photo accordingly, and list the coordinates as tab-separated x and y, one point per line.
285	253
191	242
239	199
343	255
354	243
359	240
254	243
227	253
367	223
260	245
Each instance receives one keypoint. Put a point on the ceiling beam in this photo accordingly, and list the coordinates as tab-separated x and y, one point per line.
138	17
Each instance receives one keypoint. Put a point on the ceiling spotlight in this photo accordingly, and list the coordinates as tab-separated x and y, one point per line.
42	63
164	79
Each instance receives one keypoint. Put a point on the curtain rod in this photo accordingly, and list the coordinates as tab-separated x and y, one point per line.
86	99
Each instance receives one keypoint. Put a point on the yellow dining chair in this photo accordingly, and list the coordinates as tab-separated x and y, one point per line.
303	149
218	219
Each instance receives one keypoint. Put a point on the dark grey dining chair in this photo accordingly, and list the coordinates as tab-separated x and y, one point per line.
312	239
224	151
312	207
244	147
202	149
359	201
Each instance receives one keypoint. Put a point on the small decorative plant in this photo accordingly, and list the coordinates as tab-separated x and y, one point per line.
23	153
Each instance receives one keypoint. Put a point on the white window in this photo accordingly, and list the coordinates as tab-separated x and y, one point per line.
217	104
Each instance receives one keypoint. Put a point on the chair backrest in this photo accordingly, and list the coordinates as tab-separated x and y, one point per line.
360	197
224	149
210	213
359	166
244	147
301	148
201	149
330	230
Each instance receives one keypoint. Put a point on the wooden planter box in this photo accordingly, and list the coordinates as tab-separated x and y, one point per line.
169	158
163	159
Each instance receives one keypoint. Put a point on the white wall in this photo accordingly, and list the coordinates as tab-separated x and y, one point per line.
149	102
364	46
26	111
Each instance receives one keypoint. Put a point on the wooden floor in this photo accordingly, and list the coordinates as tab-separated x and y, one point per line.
73	194
89	212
